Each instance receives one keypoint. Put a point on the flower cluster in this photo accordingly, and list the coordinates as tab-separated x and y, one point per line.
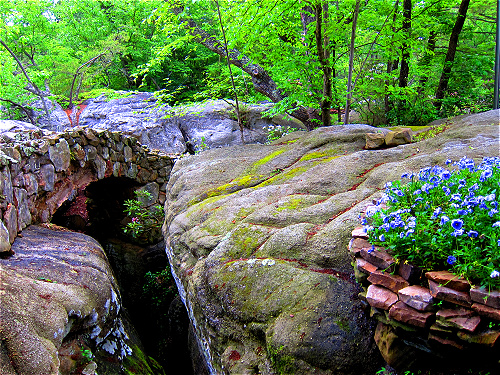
444	219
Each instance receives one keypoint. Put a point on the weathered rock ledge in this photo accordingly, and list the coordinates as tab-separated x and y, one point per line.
257	237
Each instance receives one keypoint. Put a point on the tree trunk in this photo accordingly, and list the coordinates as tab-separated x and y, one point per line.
351	62
323	56
391	64
426	60
26	112
405	48
450	55
261	80
77	73
37	91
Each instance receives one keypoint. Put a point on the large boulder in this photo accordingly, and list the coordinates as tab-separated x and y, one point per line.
257	239
61	312
191	128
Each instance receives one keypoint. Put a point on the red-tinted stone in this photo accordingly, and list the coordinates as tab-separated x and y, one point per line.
365	266
458	318
491	299
449	295
449	280
486	311
409	272
404	313
385	279
444	341
417	297
488	338
359	232
356	244
378	258
380	297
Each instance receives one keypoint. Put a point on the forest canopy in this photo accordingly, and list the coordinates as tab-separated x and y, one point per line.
394	61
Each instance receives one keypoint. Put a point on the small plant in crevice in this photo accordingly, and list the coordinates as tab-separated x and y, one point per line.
146	220
202	146
159	288
275	132
87	354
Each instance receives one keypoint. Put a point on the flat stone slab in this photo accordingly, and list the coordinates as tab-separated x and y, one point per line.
449	280
357	243
409	272
364	266
378	258
449	295
445	341
491	299
360	232
380	297
385	279
458	318
488	338
417	297
400	311
486	311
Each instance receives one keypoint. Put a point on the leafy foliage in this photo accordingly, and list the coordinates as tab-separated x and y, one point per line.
146	221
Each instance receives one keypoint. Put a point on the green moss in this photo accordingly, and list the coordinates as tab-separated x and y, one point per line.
268	158
140	363
283	364
285	176
319	154
292	204
235	185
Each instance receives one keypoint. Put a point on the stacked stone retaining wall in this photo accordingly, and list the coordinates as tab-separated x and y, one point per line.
39	171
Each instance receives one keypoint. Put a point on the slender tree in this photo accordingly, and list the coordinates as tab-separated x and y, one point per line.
450	54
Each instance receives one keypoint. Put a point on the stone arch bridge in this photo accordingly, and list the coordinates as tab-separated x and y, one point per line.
39	172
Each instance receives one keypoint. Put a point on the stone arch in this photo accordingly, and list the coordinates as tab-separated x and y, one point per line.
39	172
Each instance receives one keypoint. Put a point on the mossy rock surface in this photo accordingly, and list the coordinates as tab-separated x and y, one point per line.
264	260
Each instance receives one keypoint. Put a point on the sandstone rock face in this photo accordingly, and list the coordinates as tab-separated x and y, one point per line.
59	298
258	237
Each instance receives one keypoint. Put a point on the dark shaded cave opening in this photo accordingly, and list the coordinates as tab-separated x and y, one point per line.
149	294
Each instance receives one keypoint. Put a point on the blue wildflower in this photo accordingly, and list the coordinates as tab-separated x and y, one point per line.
496	224
455	197
485	175
445	174
448	161
462	212
472	234
446	190
457	232
495	274
371	250
492	212
451	260
473	187
381	237
456	223
444	220
490	197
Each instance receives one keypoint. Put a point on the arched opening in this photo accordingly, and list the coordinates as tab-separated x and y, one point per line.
141	269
